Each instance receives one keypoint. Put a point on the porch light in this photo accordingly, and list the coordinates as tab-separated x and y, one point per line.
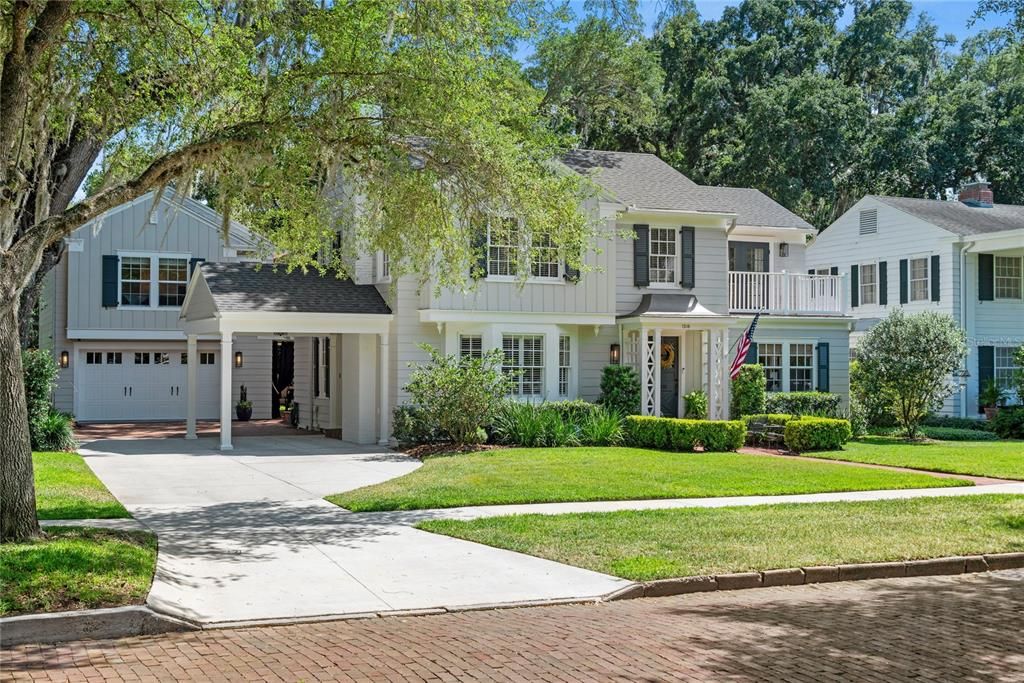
784	249
238	359
615	354
65	359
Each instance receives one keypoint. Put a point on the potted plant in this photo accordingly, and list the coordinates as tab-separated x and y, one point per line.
286	414
991	397
243	409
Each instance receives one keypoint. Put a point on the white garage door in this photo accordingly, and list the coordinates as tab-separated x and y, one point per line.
128	385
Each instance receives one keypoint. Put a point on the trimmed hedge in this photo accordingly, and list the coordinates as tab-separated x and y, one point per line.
779	419
955	434
816	434
978	425
816	403
748	392
673	434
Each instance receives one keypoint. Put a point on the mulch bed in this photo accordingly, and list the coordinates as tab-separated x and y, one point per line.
428	449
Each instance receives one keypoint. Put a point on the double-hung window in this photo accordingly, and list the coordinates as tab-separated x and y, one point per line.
524	362
801	367
544	259
564	364
504	247
1007	277
471	346
153	280
1005	367
770	358
919	282
869	284
663	255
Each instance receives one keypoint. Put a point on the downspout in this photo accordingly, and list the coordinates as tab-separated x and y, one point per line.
963	318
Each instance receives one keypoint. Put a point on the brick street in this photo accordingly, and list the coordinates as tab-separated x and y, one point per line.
939	628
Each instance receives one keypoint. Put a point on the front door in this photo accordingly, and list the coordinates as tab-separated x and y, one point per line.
670	376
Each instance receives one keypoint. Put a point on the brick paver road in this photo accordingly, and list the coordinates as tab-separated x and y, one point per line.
945	628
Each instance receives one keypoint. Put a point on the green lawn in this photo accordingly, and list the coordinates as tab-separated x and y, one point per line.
982	458
67	489
544	475
75	568
655	544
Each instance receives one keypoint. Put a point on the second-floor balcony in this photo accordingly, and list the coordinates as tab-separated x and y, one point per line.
786	293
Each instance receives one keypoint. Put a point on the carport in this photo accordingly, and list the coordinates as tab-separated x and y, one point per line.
227	300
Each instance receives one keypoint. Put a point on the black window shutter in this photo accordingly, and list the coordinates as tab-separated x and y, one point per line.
986	368
935	278
883	283
480	249
904	281
316	366
192	264
327	367
834	270
810	271
751	358
570	274
641	255
823	367
111	265
986	277
687	239
854	286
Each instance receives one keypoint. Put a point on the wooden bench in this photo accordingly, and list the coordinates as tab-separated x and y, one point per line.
765	434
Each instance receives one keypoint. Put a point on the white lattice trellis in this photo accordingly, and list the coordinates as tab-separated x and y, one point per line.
650	375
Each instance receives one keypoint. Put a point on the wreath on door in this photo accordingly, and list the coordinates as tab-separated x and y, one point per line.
668	355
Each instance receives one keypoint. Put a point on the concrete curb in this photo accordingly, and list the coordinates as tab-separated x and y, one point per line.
939	566
111	622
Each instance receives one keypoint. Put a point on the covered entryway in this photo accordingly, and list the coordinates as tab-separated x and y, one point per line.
235	300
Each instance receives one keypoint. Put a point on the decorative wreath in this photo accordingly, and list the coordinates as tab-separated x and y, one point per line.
668	355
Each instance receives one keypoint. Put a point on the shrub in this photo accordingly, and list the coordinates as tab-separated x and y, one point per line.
1009	423
871	397
748	391
533	426
816	434
857	417
955	434
696	405
40	376
620	389
667	433
574	412
958	423
410	428
817	403
54	433
458	397
601	428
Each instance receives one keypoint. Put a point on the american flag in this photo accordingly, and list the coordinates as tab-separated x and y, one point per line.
743	348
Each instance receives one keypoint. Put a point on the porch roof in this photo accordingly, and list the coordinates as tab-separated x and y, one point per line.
674	309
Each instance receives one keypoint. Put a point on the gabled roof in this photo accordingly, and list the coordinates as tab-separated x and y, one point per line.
958	218
643	181
264	288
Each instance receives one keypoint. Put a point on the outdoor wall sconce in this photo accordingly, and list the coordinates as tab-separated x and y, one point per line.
615	354
784	250
65	359
238	359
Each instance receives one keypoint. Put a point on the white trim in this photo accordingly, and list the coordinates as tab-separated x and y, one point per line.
265	322
772	233
154	278
876	282
927	278
634	212
132	335
439	315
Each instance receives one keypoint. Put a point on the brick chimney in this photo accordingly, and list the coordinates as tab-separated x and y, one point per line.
977	194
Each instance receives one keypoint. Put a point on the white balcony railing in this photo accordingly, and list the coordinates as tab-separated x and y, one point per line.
786	293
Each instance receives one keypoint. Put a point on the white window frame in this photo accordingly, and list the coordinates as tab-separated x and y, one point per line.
792	368
519	382
874	284
523	253
673	282
996	277
544	255
787	367
927	279
781	367
154	278
564	365
1004	369
207	358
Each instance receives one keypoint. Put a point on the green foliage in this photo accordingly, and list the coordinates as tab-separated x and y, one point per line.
243	398
601	428
620	389
40	379
870	397
955	434
991	395
1009	423
559	423
912	357
775	419
696	405
957	423
857	417
54	433
817	403
410	427
667	433
458	397
816	434
1018	374
748	391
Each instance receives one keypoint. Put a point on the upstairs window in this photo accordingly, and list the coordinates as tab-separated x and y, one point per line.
1007	277
503	248
663	255
173	273
868	284
919	282
544	262
142	275
869	221
135	280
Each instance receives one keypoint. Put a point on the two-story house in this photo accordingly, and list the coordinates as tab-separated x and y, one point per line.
675	277
962	257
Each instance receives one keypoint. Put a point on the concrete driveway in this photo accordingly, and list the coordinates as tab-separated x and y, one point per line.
246	536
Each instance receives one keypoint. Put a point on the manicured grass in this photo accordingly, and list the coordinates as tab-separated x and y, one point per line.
546	475
76	568
67	489
655	544
1001	459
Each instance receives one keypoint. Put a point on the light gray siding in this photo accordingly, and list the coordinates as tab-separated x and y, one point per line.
255	374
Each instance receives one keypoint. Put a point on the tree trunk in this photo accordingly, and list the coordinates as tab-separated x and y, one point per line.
17	484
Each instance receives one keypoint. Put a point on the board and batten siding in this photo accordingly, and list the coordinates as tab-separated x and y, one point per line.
128	228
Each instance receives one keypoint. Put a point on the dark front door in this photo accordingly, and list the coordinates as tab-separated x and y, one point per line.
748	257
670	376
282	374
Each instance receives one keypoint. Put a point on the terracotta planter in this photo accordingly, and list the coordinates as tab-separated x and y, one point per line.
991	412
286	417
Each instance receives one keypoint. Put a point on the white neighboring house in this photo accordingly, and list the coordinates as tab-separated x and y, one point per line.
962	257
671	302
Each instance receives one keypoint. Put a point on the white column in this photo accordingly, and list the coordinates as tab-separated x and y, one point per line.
226	360
726	363
385	411
711	372
192	360
657	371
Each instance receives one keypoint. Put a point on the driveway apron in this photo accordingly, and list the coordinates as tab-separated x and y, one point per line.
247	536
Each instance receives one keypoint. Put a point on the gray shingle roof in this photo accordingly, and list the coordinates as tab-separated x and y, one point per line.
249	287
646	182
957	217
